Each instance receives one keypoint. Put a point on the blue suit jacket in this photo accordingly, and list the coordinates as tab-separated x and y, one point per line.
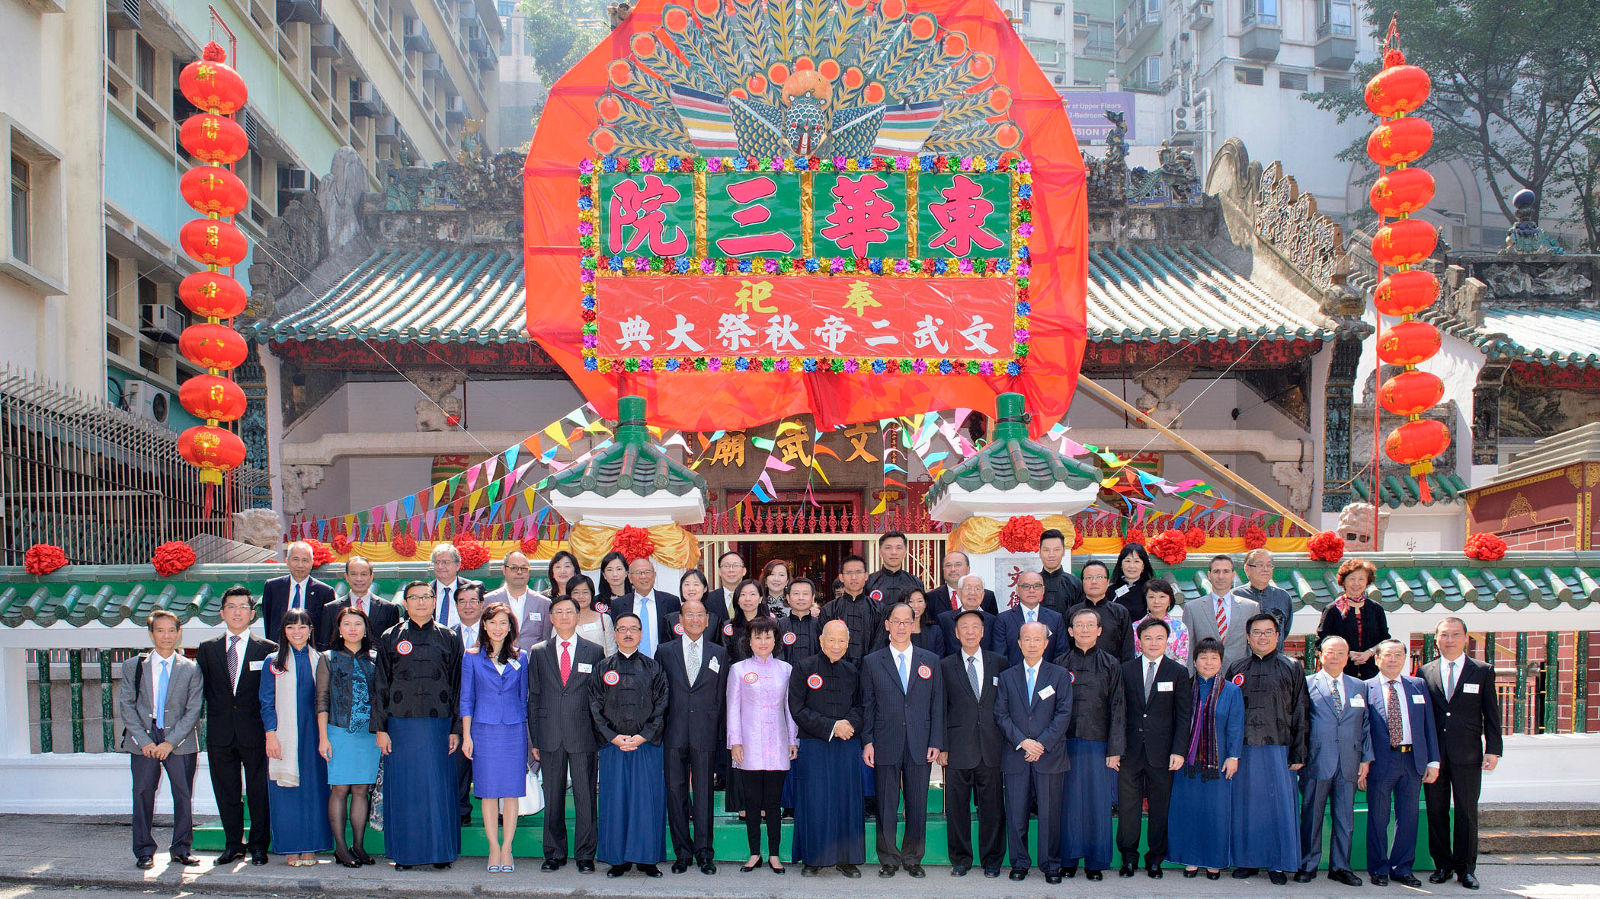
902	725
494	697
1045	720
1424	742
1003	634
1340	740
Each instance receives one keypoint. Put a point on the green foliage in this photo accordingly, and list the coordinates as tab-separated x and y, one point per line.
561	32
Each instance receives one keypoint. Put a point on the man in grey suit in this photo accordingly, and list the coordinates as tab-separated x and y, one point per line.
1220	615
159	701
1341	750
530	609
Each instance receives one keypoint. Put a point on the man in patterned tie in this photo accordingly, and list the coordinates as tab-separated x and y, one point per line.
1405	755
381	614
230	666
295	590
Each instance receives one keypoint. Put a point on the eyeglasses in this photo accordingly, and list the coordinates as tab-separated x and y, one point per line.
1030	586
237	607
1266	566
520	569
629	629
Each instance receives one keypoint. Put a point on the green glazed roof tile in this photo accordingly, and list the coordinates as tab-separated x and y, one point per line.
1402	490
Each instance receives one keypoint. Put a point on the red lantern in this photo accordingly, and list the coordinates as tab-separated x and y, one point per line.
213	346
1400	142
211	84
1405	293
1407	343
212	138
1407	393
212	450
1398	89
212	295
212	398
1401	192
1417	442
213	190
1405	242
213	242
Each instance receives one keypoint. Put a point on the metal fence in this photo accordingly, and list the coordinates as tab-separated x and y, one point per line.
105	485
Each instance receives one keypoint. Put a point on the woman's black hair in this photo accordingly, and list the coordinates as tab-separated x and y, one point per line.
580	580
1134	549
737	615
603	589
927	619
577	570
508	646
337	642
694	573
761	625
294	616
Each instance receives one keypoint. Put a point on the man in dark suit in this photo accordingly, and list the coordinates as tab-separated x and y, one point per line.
902	695
1007	626
1341	751
230	668
652	606
697	680
295	590
1467	712
970	596
563	735
973	747
1034	710
731	569
447	579
1405	755
1159	703
946	596
381	614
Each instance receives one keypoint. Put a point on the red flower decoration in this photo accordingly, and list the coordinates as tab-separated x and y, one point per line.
1170	546
341	543
1135	535
1021	534
43	558
172	557
1326	547
633	543
320	553
1254	537
1483	547
1195	537
404	545
1077	539
473	554
530	545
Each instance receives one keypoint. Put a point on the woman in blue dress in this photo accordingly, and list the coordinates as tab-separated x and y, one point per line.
494	728
297	792
1202	792
344	719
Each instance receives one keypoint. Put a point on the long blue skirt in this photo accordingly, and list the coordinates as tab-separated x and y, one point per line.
499	760
1266	821
1200	821
300	814
419	794
633	806
830	826
1088	793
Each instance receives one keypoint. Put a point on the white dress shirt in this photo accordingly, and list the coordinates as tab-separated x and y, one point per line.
518	606
244	646
1405	713
439	589
305	592
1335	686
977	663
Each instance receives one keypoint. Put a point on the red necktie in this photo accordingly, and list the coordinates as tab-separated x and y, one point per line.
1222	618
360	606
566	662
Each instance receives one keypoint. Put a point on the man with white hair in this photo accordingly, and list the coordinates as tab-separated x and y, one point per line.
446	561
946	596
295	590
970	596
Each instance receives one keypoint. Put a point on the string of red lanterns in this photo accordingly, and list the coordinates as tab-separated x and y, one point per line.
1402	242
212	190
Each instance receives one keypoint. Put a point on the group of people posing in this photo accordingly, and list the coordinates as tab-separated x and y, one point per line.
1092	694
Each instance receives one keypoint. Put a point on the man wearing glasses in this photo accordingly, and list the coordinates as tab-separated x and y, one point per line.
530	609
1272	599
1008	624
1277	714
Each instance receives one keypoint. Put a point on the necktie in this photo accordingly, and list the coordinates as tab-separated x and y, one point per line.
694	661
1028	615
161	695
1222	619
1450	682
972	675
444	616
295	603
647	619
233	663
358	603
905	674
1338	696
1149	677
1396	729
566	662
1032	672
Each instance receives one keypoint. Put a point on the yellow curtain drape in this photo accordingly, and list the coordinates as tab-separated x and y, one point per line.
675	547
979	534
982	535
383	551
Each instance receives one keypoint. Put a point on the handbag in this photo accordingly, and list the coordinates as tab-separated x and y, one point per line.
532	801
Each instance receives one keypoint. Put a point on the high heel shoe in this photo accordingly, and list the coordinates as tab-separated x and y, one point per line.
344	857
751	867
1191	872
776	869
1213	875
362	857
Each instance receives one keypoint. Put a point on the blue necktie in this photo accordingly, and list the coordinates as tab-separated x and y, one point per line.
647	621
1032	672
161	695
444	617
905	674
295	603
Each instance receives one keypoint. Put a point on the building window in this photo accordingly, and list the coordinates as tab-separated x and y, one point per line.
1260	12
1102	41
1294	81
1027	12
21	201
506	7
146	74
1248	75
113	281
1152	71
1152	11
1336	17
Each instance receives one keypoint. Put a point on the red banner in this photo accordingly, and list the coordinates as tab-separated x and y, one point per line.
806	317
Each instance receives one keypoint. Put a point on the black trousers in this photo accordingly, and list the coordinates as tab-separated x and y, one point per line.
961	786
228	763
180	780
1454	848
763	798
554	763
463	783
1022	790
690	800
1137	781
892	781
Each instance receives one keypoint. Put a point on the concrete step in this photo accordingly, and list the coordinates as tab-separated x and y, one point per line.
1538	840
1539	814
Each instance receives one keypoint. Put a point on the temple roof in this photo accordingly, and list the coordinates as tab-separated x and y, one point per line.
630	463
1013	460
1402	490
1550	335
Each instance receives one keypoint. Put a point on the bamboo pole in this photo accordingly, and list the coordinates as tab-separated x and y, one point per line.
1200	455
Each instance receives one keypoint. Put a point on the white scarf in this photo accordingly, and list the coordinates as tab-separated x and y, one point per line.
285	771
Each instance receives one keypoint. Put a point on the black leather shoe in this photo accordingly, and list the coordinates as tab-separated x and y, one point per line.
1245	873
188	861
850	871
441	866
886	870
808	871
1126	870
1053	877
708	867
585	866
991	873
1019	873
145	862
1304	877
466	820
1380	880
258	856
402	867
1092	874
1468	880
776	870
619	870
552	864
1153	870
1442	875
362	856
1409	880
1070	870
749	866
1348	878
1191	873
916	871
1278	878
650	870
1213	875
680	866
231	854
959	870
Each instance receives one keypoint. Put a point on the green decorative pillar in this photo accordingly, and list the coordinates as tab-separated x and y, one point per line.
1519	720
1552	681
75	682
46	723
1580	683
107	736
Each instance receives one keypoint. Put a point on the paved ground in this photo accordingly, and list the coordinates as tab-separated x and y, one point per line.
52	857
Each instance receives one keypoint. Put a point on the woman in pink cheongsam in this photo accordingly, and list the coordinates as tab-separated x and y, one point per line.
761	737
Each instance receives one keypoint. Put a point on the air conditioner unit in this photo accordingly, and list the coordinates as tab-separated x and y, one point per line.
123	13
145	400
364	100
1184	120
417	38
252	128
384	127
295	180
160	322
1061	79
1201	14
324	39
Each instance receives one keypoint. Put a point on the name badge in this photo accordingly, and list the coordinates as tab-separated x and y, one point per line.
1416	699
1164	686
585	667
1358	702
1047	692
515	665
536	616
1122	590
1465	688
714	664
256	666
995	681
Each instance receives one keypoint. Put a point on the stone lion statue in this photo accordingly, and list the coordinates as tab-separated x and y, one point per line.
432	416
1355	527
258	527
